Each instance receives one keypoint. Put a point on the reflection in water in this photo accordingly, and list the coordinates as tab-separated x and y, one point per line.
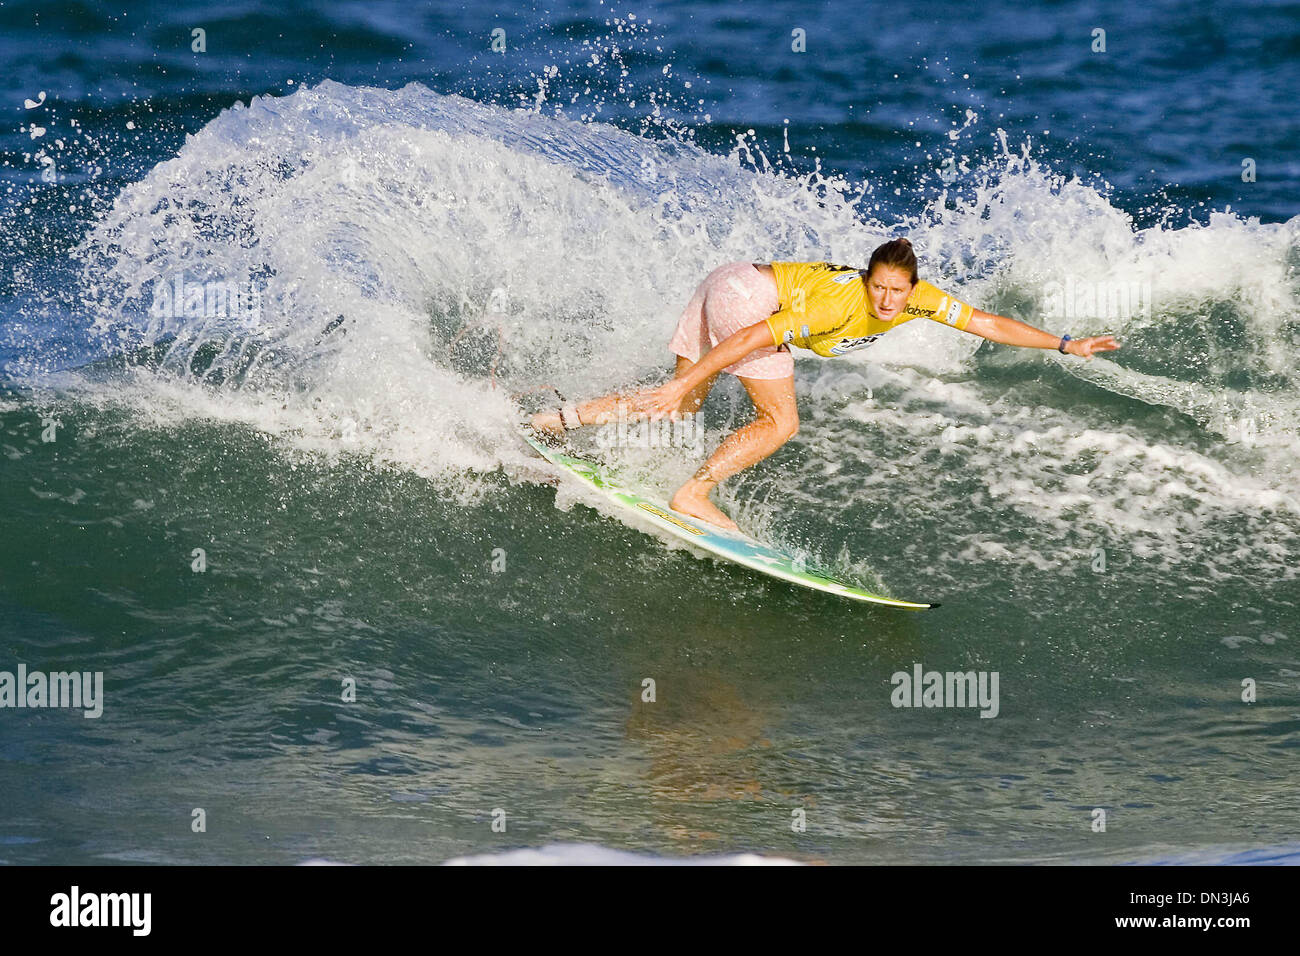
705	743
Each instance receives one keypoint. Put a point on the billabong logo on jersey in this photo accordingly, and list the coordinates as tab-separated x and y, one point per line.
846	277
848	345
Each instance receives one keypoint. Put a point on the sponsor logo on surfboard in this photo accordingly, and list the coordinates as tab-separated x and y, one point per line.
667	517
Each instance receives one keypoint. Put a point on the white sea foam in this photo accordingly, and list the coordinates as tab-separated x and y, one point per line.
591	854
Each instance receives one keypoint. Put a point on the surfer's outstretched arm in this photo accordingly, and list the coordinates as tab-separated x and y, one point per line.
1008	331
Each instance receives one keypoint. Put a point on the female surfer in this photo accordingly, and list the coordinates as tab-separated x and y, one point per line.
743	319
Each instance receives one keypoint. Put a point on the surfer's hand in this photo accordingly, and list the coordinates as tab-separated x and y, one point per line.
661	401
1089	347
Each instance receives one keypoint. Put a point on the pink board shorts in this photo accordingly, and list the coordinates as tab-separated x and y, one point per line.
730	298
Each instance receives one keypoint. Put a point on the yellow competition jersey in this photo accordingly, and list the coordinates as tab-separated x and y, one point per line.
824	307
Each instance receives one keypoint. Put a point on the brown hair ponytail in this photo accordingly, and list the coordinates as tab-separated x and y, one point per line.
897	254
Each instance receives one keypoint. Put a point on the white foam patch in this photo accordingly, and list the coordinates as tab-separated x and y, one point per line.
590	854
1063	485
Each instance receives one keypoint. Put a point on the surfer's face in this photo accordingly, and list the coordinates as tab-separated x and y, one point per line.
888	288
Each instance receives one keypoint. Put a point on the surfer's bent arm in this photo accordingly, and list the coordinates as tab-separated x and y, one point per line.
727	352
667	397
1008	331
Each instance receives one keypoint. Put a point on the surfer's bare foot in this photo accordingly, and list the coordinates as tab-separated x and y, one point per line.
692	499
549	422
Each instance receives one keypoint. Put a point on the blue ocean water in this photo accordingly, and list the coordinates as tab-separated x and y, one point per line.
342	611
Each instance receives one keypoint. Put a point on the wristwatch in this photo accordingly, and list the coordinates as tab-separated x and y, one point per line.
1061	348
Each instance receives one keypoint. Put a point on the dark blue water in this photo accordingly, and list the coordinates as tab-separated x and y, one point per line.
439	210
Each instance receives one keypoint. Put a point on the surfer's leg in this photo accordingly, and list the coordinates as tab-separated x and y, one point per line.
777	419
690	341
598	411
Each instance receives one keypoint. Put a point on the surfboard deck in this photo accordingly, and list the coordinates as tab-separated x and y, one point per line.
733	545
